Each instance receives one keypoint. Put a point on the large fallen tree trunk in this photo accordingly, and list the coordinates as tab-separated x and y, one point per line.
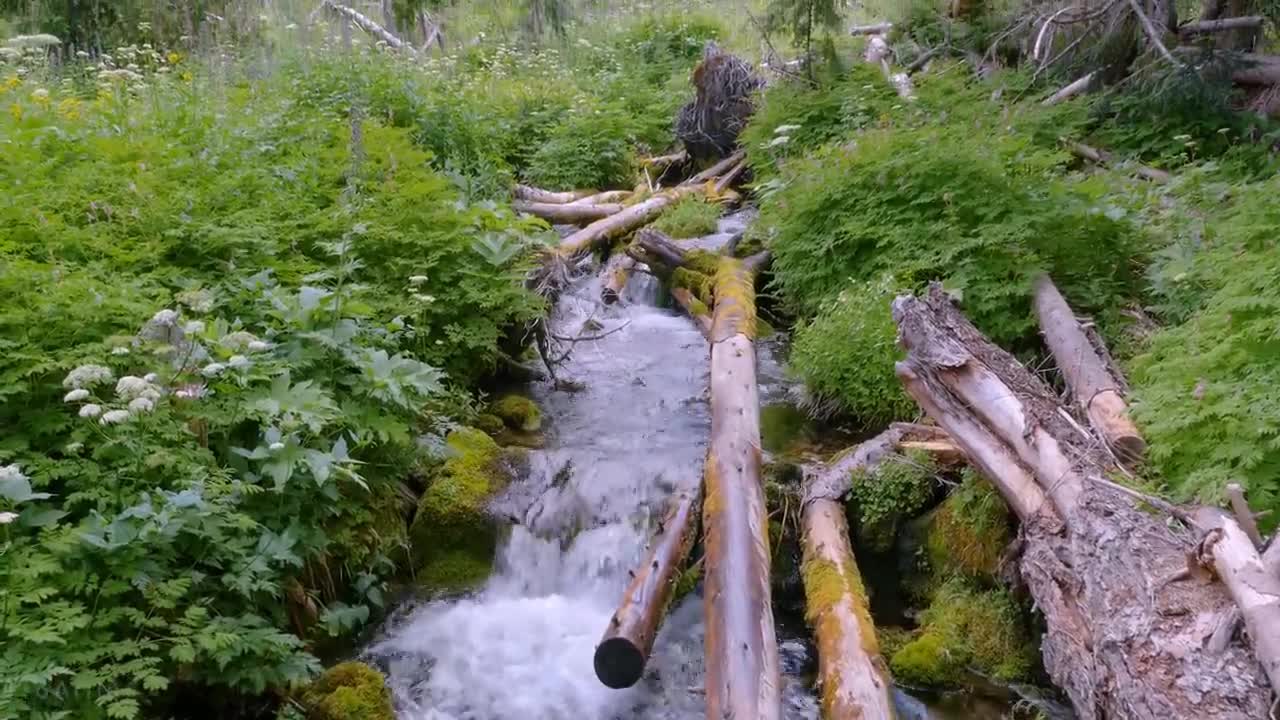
619	224
1126	623
1099	157
741	648
533	194
717	168
695	309
1097	392
1254	587
880	28
623	651
853	677
608	196
1244	68
568	213
1070	90
1202	27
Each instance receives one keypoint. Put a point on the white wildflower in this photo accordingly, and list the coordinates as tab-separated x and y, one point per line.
258	346
190	392
238	362
417	279
213	369
131	387
239	340
9	473
40	94
90	411
141	405
7	517
76	395
276	446
195	327
200	301
87	376
165	317
122	350
114	417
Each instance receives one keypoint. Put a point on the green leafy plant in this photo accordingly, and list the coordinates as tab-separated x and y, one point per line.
689	218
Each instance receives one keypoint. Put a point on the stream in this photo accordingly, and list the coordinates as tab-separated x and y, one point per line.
634	431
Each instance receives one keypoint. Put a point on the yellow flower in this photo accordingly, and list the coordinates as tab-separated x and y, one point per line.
69	109
16	111
40	96
12	82
173	58
187	76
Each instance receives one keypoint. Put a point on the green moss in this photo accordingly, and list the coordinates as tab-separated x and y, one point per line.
691	217
349	691
686	583
893	638
490	423
896	490
454	570
701	285
750	244
702	261
519	413
451	518
967	628
781	426
968	532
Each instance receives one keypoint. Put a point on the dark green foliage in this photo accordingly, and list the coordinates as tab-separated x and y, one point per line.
897	489
845	355
588	148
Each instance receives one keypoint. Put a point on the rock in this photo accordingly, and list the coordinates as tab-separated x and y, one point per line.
453	535
518	413
349	691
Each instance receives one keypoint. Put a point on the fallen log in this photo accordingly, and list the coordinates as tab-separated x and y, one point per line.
878	54
367	24
880	28
608	196
1125	622
533	194
695	309
624	649
1099	157
662	162
658	247
567	213
1095	390
613	278
717	169
1256	591
1069	90
621	223
1245	68
853	677
742	678
1203	27
726	180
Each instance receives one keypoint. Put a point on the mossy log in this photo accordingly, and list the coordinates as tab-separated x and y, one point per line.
606	197
742	679
573	213
1095	390
1126	625
533	194
614	276
623	651
696	309
619	224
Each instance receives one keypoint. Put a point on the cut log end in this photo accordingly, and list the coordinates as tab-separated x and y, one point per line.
619	663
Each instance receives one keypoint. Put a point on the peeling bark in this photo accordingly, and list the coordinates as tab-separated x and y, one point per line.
1127	625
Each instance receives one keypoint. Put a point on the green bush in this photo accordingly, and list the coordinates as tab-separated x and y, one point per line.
897	489
691	217
591	147
846	354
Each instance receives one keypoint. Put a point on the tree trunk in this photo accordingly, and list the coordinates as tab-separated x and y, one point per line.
614	276
1091	383
1204	27
852	675
717	169
1070	90
1099	157
1254	588
623	651
533	194
1126	626
878	54
881	28
694	308
608	196
368	25
741	648
567	213
619	224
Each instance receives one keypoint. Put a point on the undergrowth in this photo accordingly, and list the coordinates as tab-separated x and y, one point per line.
690	217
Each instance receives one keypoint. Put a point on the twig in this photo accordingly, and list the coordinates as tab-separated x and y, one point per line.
1152	34
1155	502
589	338
1244	516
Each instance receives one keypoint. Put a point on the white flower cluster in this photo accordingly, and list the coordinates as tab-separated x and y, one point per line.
87	376
131	387
9	473
200	301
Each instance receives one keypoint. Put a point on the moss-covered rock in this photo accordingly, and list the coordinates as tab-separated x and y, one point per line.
518	413
490	423
349	691
967	628
453	536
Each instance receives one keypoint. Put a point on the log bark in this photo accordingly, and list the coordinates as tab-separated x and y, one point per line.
1256	591
1100	157
694	308
623	651
619	224
853	677
568	213
717	169
659	248
1126	626
834	480
1070	90
1097	393
742	678
606	197
533	194
1203	27
726	180
613	278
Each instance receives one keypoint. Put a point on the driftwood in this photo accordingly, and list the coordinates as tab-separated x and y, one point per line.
1096	391
1101	157
741	648
568	213
533	194
1255	590
853	677
623	651
613	278
621	223
1126	622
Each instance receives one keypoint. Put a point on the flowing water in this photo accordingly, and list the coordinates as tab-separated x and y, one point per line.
633	430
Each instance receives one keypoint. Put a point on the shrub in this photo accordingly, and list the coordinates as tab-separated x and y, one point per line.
691	217
897	489
846	354
588	148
